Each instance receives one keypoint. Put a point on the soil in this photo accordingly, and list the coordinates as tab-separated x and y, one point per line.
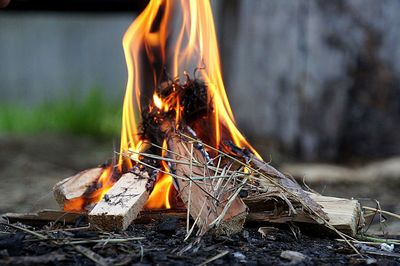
162	244
30	166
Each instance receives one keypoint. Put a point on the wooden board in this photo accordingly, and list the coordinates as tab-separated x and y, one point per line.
200	196
75	186
122	203
344	214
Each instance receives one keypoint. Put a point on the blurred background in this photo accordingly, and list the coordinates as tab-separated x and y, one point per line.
313	84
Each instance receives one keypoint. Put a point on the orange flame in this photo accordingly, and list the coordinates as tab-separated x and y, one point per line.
185	43
104	183
160	196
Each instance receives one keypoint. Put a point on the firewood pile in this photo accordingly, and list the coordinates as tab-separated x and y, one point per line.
219	188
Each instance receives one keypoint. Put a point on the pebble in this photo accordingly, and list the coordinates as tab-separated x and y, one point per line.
293	256
238	255
387	247
245	234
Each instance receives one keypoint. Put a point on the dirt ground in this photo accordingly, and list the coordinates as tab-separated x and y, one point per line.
29	167
160	243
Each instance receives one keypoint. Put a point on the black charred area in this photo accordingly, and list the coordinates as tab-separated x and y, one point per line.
193	99
161	244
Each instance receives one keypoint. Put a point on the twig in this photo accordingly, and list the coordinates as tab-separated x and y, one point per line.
382	212
220	255
93	256
190	192
26	230
195	222
112	240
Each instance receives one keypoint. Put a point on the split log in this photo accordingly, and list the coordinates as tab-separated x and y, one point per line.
206	203
122	203
345	215
75	186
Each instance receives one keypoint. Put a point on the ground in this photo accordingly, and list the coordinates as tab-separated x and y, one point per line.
30	166
157	244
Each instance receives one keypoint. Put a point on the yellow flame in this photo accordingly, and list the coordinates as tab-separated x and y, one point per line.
159	197
157	101
188	25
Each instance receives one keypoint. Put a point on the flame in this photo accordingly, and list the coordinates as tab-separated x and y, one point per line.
75	205
104	183
160	196
177	36
102	186
157	101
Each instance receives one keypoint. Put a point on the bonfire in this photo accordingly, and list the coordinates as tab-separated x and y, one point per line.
180	146
181	153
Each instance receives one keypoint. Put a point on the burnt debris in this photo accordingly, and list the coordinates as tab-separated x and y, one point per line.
190	98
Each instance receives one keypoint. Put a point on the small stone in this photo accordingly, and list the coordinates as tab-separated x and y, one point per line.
370	261
387	247
268	232
293	256
240	256
245	234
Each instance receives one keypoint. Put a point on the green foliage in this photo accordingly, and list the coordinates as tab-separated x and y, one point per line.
93	115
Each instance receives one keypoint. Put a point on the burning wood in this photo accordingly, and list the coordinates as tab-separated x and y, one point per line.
179	141
343	214
70	191
208	180
210	201
122	203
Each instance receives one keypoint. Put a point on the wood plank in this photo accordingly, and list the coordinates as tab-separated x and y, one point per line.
200	196
344	214
75	186
282	185
122	203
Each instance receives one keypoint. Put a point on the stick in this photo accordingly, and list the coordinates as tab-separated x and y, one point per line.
202	192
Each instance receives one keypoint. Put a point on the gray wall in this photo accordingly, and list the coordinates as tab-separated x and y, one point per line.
51	55
318	80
